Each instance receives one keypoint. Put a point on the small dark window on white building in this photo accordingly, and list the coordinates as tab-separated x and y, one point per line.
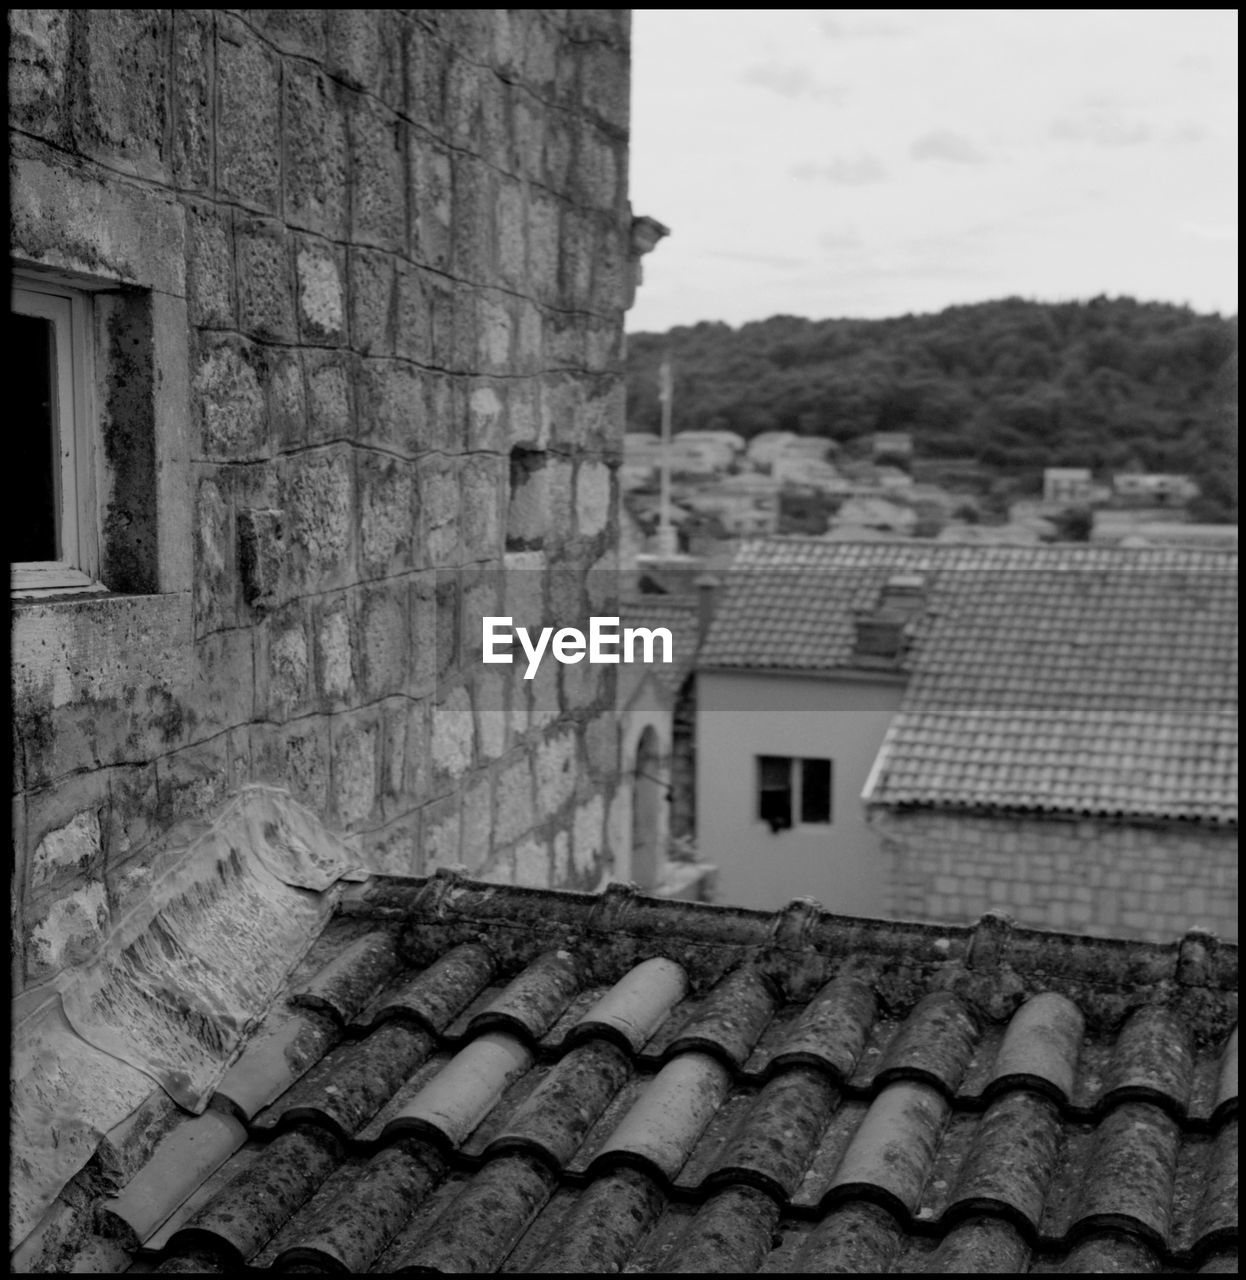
53	535
789	788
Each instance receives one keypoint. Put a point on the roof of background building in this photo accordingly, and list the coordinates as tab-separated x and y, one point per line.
1069	679
473	1077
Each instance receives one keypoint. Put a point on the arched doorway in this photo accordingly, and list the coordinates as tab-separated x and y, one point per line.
647	793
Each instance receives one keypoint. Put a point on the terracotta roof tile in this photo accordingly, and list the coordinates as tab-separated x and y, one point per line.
613	1083
1048	679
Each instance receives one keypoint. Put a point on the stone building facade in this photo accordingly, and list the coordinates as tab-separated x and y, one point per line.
356	282
1104	879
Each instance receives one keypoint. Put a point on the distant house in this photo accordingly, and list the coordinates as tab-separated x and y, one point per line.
1067	484
1153	489
878	513
891	444
1050	730
765	447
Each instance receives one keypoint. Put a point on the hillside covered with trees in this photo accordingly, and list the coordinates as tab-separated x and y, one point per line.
1013	386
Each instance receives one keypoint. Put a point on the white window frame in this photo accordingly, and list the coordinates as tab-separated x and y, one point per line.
71	313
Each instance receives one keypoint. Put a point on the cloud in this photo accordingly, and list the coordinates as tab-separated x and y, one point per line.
1200	231
1101	125
843	171
833	29
943	144
841	238
1186	132
779	260
791	80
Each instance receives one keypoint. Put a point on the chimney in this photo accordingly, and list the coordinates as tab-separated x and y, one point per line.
882	635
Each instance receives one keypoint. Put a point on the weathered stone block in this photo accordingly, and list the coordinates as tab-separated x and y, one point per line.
226	388
412	331
316	153
334	650
67	931
393	849
248	115
441	832
426	63
383	636
378	195
215	587
474	239
67	853
478	834
528	125
483	485
422	617
193	127
575	266
512	254
544	216
354	769
587	842
539	63
300	31
593	498
329	395
372	302
38	62
287	398
598	165
441	301
224	663
495	335
431	202
353	50
393	406
211	297
486	415
192	783
318	500
516	816
387	515
122	89
532	864
283	665
559	143
453	734
605	83
265	298
439	510
556	769
296	756
320	270
493	123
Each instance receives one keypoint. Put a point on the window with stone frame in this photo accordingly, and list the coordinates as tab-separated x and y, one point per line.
53	529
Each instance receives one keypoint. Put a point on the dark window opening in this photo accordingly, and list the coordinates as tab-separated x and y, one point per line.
33	523
815	791
775	791
787	786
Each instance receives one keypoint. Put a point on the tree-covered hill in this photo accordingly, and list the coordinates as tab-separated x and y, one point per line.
1014	385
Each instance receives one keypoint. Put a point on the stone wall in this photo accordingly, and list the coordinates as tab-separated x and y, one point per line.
359	278
1100	878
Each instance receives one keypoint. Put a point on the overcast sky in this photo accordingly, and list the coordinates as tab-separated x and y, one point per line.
870	162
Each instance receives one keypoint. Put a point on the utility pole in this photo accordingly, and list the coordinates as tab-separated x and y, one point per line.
667	545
